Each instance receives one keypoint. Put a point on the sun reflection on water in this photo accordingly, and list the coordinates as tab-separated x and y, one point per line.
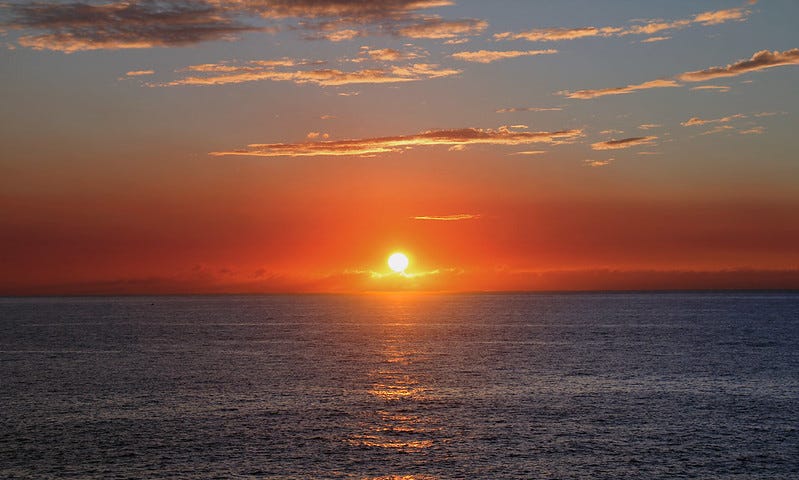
398	419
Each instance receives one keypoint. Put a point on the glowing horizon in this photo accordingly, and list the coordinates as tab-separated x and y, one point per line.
227	146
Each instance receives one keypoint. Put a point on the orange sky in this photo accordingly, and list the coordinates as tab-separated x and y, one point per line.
292	148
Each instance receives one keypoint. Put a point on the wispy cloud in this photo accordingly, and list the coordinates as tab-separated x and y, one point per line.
529	152
717	129
488	56
438	28
597	163
759	61
555	34
623	143
528	109
648	27
752	131
695	121
74	26
379	145
655	39
586	94
448	218
223	74
388	54
139	73
713	88
649	126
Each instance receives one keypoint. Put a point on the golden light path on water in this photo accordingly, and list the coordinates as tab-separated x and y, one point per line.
400	423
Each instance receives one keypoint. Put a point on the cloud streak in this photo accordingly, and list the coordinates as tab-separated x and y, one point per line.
528	109
760	61
72	27
623	143
448	218
694	121
373	146
224	74
488	56
587	94
649	27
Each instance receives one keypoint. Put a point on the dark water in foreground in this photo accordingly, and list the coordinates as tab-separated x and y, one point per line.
399	386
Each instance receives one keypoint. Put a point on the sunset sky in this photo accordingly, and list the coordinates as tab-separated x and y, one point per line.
293	145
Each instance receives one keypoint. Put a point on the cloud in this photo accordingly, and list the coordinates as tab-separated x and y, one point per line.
649	27
352	10
721	16
387	54
655	39
586	94
138	73
649	126
597	163
488	56
529	152
555	34
379	145
75	26
715	88
623	143
528	109
448	218
718	129
342	35
694	121
753	131
437	28
759	61
223	74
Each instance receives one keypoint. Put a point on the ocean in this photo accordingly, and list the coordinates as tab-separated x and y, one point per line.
401	386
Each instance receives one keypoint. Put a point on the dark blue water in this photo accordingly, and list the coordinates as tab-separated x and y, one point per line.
564	386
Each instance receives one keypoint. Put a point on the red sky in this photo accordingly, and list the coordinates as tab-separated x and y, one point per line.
281	148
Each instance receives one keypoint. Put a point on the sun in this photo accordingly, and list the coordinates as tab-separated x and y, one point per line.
398	262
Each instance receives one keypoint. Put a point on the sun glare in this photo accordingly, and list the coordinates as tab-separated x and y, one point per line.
398	262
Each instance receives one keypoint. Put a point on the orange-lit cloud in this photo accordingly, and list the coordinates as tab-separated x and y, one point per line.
357	10
759	61
753	131
528	109
623	143
71	27
373	146
597	163
649	126
649	27
586	94
555	34
717	129
694	121
488	56
448	218
387	55
223	74
529	152
437	28
655	39
713	88
138	73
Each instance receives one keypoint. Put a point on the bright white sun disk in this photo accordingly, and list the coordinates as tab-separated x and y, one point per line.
398	262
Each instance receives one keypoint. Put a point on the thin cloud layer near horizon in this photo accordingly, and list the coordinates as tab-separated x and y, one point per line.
290	146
